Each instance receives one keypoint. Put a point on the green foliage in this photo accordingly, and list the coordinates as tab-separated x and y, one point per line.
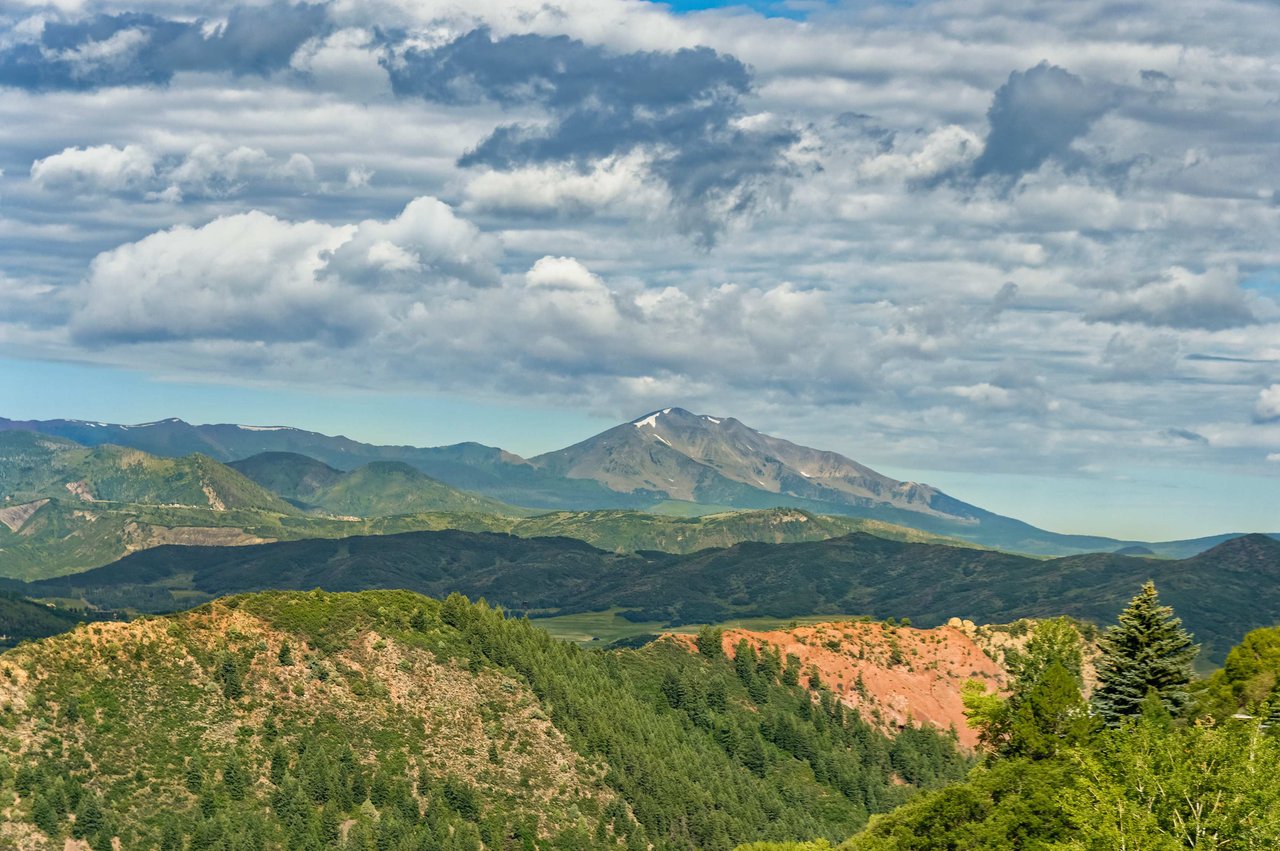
1013	803
1049	718
1247	679
710	642
1202	786
1045	711
1146	650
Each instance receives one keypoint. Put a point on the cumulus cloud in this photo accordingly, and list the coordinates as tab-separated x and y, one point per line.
683	108
102	168
1181	298
209	170
1036	116
613	183
285	282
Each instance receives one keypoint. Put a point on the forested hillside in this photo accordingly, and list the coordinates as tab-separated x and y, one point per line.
1222	593
390	720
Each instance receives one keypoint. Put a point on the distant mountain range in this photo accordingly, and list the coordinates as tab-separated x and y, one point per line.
66	508
1220	594
666	456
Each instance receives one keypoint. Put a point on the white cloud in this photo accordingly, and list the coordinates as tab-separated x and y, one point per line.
1268	407
347	61
358	177
102	168
183	283
1181	298
863	298
613	182
562	273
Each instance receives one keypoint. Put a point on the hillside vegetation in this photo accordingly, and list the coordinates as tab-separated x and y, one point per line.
1159	769
377	489
53	537
389	720
1222	593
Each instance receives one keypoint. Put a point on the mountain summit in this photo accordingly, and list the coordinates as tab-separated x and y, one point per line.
701	458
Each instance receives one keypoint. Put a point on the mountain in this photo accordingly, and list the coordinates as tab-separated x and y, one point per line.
667	456
488	470
721	461
390	720
52	536
378	489
35	467
1220	594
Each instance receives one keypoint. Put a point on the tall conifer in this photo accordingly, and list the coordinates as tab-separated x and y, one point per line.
1146	651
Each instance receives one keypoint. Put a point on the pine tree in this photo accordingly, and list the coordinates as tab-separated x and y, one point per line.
1147	650
235	779
1052	716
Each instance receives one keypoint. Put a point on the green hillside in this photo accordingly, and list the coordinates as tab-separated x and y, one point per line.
54	537
34	467
632	531
22	620
389	720
378	489
1222	593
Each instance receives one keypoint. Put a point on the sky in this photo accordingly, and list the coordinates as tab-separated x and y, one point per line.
1025	252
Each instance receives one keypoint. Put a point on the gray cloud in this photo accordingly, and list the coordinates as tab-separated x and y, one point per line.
1181	298
1035	117
138	48
1185	435
683	107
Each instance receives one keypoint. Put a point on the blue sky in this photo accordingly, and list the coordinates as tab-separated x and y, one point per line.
1029	257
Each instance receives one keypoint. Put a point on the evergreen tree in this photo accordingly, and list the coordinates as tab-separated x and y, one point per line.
235	779
1051	717
285	656
709	642
1146	650
89	818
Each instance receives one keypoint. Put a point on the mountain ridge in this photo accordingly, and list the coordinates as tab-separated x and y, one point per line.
640	465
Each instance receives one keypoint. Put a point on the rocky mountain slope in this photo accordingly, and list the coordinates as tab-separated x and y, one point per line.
1220	594
385	719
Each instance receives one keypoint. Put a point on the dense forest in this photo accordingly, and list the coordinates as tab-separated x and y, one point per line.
392	721
1221	593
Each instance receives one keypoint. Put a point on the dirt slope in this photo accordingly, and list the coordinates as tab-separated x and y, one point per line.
893	675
